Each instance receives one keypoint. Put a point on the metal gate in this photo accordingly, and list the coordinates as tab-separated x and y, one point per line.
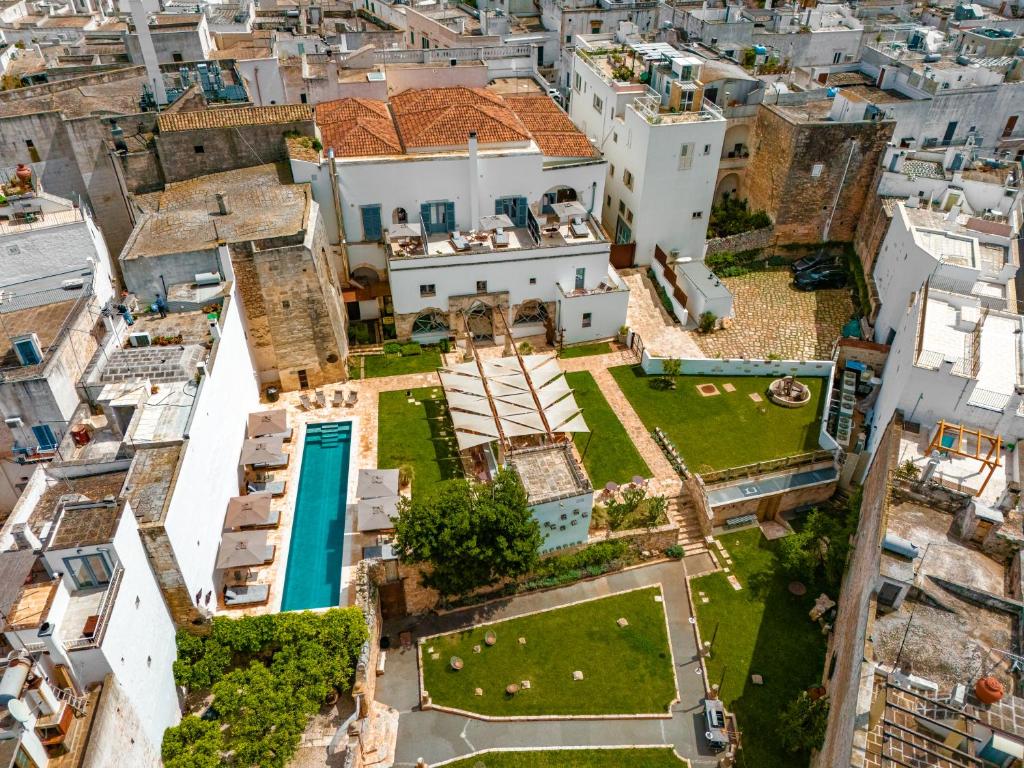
636	345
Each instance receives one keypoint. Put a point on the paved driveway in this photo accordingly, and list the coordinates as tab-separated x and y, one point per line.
439	736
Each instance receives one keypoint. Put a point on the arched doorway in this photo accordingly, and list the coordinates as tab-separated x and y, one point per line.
728	187
365	275
736	142
480	321
560	194
399	216
530	312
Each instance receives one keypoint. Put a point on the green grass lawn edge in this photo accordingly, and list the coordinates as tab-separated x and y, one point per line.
570	757
611	454
586	350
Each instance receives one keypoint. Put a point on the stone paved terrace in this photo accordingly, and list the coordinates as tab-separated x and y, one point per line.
646	316
773	318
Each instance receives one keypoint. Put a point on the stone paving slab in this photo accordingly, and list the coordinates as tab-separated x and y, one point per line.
645	315
774	318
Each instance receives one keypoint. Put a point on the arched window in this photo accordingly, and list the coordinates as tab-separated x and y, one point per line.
431	321
530	312
365	275
399	216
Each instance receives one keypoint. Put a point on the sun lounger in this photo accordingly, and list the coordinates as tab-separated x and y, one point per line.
279	462
305	401
286	435
353	396
339	398
246	594
321	401
273	487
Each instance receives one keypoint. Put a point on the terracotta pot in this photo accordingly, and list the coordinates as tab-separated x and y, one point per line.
24	173
988	690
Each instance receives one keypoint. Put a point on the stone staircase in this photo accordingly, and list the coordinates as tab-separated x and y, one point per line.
683	513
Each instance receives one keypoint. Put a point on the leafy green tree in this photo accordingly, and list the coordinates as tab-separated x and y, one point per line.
471	535
635	509
802	724
193	743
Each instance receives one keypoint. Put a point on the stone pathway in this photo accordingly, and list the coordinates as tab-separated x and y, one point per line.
646	316
437	736
773	318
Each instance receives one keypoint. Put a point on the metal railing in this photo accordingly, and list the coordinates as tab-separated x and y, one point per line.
764	467
106	607
649	108
432	55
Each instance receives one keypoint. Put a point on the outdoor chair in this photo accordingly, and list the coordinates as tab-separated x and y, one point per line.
339	398
305	402
353	396
321	400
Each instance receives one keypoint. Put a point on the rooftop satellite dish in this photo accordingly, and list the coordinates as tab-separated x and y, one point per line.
19	710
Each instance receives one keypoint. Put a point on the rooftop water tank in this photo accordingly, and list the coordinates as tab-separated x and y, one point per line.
900	546
760	50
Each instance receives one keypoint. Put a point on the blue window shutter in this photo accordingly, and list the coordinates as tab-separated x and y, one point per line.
521	206
499	205
425	217
44	437
371	222
449	215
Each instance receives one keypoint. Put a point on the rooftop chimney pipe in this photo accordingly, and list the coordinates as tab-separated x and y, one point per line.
474	182
222	203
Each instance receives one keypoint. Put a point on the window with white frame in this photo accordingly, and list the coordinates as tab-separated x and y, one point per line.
598	104
697	215
428	290
685	156
816	170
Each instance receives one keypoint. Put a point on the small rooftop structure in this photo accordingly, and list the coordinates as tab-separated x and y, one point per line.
549	473
85	522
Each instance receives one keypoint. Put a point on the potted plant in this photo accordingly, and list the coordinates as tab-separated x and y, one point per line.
623	336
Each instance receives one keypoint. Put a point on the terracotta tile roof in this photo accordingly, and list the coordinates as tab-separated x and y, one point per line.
444	117
357	128
554	132
226	118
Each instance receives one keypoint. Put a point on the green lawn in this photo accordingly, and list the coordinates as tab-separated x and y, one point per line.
626	670
610	453
427	361
585	350
728	429
763	629
662	757
410	433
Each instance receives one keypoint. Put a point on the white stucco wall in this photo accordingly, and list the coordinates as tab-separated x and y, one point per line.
208	473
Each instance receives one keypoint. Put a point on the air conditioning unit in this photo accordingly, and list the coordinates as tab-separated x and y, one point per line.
208	278
140	339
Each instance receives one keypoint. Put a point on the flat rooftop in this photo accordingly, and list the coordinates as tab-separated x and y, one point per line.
94	487
80	526
149	481
944	646
950	331
111	93
549	473
262	200
46	321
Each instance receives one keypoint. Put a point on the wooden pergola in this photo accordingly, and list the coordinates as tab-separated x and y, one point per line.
956	447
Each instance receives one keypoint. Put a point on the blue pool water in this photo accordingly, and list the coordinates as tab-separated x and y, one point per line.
313	577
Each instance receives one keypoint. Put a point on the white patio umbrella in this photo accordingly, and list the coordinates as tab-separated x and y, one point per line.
268	422
253	509
495	221
377	514
244	549
377	483
262	450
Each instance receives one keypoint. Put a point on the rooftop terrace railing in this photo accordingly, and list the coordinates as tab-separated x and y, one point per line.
747	471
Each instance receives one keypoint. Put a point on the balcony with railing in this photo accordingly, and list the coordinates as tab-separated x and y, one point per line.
88	614
650	108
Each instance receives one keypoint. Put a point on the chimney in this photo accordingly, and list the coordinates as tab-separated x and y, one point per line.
474	180
222	203
156	79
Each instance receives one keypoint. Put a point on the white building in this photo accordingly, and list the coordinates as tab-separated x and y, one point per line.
643	106
975	255
55	281
475	209
91	608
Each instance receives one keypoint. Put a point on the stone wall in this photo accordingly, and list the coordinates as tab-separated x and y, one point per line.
868	352
790	500
781	177
168	574
754	240
850	632
871	229
289	294
224	149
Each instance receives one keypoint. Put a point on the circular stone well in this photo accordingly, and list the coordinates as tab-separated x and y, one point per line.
789	393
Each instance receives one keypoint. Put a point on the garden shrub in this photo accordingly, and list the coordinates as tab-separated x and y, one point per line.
392	348
675	552
267	675
731	217
444	346
411	349
666	302
707	321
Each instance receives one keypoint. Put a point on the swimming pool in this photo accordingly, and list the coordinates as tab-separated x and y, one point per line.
313	576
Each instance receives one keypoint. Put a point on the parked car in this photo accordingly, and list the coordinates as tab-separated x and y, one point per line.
814	261
714	720
555	94
821	277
